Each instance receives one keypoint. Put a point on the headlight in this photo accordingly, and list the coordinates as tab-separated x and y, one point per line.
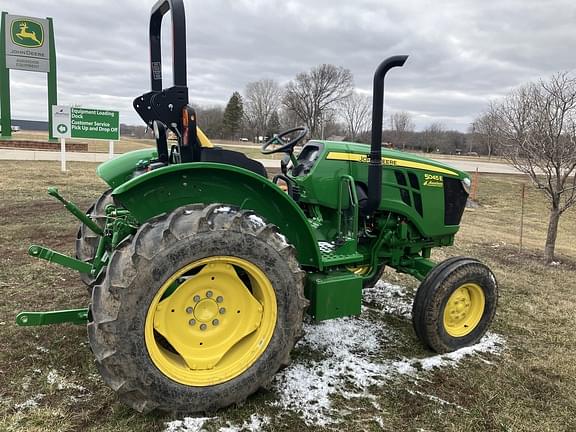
467	184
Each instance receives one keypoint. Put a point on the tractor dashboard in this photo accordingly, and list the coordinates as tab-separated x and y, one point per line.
307	158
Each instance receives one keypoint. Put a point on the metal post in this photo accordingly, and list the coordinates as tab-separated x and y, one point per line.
5	115
522	196
52	81
111	150
63	154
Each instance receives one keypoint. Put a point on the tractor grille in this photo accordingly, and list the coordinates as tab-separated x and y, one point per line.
412	190
454	201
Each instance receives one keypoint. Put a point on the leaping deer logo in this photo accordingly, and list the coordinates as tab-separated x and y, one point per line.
27	33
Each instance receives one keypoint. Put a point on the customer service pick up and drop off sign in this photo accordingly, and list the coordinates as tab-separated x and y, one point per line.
95	124
88	123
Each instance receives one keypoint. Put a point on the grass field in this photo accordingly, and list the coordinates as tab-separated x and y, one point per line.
367	373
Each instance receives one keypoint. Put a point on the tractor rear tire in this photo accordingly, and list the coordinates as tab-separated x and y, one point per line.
86	240
455	304
179	287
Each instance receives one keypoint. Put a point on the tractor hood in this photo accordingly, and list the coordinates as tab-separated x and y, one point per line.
340	150
120	169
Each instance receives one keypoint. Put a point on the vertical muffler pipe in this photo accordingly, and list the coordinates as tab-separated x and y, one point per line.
375	166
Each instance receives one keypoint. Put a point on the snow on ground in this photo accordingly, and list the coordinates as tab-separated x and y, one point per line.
350	360
30	403
389	298
61	383
196	424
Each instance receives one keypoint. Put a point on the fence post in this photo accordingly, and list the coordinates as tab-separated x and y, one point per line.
522	195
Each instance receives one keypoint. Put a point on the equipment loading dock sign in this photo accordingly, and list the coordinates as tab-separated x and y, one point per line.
88	123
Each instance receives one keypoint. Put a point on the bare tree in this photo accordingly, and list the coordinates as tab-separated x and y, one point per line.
401	125
312	94
261	99
484	130
433	136
355	110
537	133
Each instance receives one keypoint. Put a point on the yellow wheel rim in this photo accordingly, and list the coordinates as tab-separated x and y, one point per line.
211	321
464	310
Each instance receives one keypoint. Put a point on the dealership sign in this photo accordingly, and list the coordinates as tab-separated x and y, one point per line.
27	45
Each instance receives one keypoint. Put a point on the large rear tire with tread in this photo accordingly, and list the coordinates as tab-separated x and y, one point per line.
86	240
173	295
455	304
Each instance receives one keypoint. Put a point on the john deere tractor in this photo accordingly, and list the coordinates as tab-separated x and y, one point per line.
201	267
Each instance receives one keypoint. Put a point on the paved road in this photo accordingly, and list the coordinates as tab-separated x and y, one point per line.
13	154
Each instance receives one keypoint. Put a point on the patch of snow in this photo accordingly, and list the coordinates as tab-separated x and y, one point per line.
349	364
54	379
30	403
255	424
436	399
188	424
326	247
42	349
390	299
222	210
256	220
283	238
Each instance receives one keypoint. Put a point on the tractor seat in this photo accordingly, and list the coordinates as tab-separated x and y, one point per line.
230	157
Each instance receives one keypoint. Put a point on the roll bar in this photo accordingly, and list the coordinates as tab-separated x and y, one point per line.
176	8
375	166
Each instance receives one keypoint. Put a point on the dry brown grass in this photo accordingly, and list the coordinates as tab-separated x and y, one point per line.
531	387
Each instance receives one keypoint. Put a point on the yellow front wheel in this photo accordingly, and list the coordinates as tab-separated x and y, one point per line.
198	311
455	304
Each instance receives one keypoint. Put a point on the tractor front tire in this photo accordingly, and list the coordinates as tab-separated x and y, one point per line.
197	311
455	304
86	240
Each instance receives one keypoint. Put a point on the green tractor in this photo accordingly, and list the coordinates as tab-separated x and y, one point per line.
201	267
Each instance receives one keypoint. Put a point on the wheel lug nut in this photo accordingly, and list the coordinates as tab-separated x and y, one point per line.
208	294
189	310
215	322
192	322
219	299
203	326
222	311
196	298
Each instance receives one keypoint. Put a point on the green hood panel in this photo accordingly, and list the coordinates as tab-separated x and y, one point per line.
120	169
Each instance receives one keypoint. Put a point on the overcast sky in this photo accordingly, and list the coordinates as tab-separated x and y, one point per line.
462	53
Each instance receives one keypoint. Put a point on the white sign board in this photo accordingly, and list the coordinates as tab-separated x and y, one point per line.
61	124
27	43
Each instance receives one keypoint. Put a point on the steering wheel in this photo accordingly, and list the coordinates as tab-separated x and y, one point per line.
278	139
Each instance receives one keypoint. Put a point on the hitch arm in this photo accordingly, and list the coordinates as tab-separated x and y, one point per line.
58	258
73	316
79	214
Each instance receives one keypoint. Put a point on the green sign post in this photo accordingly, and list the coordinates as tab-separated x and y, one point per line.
25	44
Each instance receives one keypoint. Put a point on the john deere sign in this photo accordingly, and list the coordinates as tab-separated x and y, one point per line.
26	44
26	47
89	123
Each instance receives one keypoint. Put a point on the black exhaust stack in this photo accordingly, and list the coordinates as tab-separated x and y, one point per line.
375	167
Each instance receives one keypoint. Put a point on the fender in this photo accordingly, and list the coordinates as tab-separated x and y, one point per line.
165	189
120	169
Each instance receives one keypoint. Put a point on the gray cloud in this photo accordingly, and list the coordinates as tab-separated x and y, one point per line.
462	53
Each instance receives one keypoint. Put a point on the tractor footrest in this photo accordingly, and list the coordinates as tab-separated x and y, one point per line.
334	295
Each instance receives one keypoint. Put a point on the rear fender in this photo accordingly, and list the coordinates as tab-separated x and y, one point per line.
165	189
